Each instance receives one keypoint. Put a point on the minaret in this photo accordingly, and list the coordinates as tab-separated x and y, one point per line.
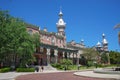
104	43
82	42
61	25
98	46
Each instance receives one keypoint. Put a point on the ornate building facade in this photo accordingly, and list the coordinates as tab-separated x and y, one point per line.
103	48
53	45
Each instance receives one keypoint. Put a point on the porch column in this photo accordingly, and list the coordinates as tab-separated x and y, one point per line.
48	56
77	59
63	55
56	56
78	56
72	56
68	55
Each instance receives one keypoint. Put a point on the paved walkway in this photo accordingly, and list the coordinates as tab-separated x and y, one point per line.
13	75
10	75
55	76
97	75
84	75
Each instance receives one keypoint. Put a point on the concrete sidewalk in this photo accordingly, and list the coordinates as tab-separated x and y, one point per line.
10	75
13	75
97	75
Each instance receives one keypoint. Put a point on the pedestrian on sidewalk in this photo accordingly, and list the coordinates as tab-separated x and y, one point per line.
36	69
79	66
42	68
65	68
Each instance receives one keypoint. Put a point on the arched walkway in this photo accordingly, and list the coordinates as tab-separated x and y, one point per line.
41	56
52	56
60	56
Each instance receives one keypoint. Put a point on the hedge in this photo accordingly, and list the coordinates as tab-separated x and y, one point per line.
25	69
2	70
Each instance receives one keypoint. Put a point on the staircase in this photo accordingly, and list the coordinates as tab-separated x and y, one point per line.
49	68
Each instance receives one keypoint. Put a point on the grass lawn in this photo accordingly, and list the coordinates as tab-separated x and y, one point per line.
75	67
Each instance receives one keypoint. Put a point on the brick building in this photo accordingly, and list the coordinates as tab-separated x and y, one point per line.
53	45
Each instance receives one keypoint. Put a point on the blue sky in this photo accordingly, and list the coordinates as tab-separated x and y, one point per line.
86	19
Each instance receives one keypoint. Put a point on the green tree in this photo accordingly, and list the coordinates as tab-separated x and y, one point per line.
66	62
90	54
83	61
104	58
114	57
16	45
36	41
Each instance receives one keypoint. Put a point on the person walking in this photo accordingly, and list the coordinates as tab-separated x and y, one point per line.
42	68
65	68
37	69
79	66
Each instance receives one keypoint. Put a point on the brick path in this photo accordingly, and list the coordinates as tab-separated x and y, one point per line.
55	76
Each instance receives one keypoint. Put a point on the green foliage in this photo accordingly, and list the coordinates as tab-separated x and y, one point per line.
66	61
58	66
2	70
55	65
71	67
83	61
36	39
104	58
63	63
114	57
16	45
25	69
90	54
90	63
99	65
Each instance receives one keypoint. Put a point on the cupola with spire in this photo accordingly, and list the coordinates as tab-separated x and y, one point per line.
104	43
82	42
61	24
98	44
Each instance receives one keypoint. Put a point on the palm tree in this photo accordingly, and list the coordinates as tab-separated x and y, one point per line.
116	27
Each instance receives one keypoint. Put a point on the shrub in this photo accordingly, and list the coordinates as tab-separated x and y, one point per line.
4	70
90	63
55	65
25	69
99	65
58	66
66	62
